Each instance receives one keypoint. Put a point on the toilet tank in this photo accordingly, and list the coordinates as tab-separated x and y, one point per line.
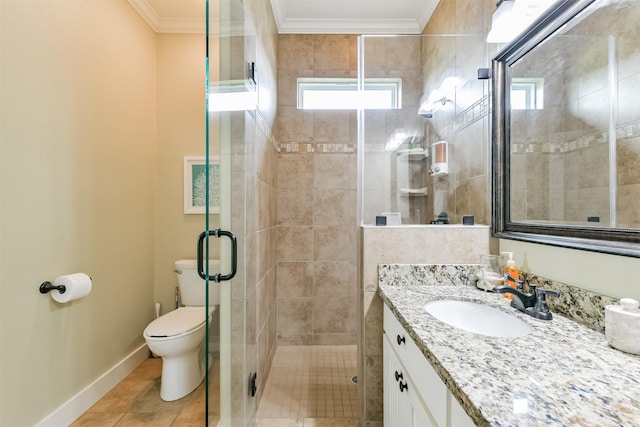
192	286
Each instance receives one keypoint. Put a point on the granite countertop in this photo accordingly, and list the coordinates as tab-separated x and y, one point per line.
561	374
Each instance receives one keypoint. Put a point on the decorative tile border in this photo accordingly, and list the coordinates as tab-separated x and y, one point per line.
319	148
627	130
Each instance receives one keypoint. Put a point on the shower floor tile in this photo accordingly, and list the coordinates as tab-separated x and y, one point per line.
310	386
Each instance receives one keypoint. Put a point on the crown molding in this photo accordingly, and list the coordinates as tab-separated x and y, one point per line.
377	25
287	24
349	26
168	25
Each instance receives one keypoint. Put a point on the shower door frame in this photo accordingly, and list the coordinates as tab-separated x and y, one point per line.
222	51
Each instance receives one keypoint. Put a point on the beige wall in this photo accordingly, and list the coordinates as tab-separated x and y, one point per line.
316	198
611	275
77	173
180	132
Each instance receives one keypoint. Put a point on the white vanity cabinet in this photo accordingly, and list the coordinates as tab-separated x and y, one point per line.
403	406
414	394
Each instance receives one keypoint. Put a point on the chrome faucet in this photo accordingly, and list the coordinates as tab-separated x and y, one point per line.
533	303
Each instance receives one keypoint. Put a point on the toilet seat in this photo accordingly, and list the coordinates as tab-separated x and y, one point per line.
177	322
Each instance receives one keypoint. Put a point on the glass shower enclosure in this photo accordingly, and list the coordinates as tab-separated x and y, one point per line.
430	155
228	381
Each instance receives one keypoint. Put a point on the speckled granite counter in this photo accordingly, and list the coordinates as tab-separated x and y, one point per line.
561	374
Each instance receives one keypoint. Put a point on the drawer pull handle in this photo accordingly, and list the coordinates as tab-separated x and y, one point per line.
400	339
399	376
403	386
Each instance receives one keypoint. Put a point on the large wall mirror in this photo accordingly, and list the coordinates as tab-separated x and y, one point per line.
566	129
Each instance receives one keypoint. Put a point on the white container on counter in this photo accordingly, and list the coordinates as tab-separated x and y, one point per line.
622	325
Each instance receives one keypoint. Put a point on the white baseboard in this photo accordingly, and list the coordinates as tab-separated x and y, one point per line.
78	404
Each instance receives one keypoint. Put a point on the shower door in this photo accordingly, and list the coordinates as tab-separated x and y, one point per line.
228	385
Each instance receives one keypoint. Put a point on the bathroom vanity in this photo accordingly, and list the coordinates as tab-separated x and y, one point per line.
414	394
560	374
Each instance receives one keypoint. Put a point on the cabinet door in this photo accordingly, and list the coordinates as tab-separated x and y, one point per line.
402	405
429	386
397	409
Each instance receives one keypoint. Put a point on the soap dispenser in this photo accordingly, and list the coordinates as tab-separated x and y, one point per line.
511	270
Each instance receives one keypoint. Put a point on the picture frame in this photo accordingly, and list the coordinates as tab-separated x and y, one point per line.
195	182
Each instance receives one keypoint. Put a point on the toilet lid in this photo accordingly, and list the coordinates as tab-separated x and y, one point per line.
176	322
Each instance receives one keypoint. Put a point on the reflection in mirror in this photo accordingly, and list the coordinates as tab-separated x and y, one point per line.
568	151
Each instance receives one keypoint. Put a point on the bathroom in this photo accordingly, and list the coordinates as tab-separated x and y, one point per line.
101	159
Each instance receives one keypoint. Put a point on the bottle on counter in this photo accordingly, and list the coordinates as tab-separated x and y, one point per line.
511	270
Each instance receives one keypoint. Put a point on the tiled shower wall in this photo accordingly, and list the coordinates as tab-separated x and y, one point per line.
463	122
316	214
426	65
255	177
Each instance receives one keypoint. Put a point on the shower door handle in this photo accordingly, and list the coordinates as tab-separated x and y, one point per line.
234	254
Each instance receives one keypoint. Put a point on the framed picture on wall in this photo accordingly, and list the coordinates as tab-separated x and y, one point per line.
195	182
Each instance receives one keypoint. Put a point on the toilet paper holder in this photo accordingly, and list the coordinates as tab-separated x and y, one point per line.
47	287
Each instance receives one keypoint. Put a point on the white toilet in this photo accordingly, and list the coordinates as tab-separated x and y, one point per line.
178	336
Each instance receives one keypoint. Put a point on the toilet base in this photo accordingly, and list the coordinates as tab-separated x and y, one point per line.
181	375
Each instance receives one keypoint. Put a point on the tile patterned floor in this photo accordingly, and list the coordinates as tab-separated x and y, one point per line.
135	401
309	386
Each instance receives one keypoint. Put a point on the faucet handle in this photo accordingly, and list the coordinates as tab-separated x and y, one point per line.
542	292
519	283
541	309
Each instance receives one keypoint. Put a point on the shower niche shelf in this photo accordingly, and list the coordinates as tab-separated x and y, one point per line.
411	183
414	192
413	154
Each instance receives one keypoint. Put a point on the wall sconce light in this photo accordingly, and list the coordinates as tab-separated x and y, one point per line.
513	16
503	29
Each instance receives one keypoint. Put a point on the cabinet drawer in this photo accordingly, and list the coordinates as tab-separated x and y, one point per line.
428	383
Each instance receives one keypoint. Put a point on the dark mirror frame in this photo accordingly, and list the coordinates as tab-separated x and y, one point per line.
598	239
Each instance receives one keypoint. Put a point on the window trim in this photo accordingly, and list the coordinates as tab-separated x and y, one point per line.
533	88
394	85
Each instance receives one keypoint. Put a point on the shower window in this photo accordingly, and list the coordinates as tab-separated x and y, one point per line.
342	94
527	93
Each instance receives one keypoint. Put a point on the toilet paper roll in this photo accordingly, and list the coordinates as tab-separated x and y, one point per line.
77	285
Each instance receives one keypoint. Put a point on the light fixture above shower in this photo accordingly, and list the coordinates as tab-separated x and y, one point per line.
513	16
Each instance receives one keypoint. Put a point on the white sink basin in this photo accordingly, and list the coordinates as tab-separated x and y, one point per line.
477	318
